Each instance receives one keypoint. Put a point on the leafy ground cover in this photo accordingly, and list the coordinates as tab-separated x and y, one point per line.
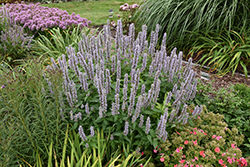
84	100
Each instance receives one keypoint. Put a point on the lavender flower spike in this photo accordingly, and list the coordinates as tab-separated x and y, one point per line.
81	133
141	121
148	125
168	98
87	108
125	132
92	132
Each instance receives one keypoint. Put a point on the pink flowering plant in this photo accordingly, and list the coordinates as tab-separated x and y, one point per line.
37	18
208	143
127	13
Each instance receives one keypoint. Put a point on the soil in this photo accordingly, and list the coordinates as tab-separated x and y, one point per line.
224	81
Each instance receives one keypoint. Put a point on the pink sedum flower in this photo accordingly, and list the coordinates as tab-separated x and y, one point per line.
221	161
218	137
182	161
229	160
217	150
162	159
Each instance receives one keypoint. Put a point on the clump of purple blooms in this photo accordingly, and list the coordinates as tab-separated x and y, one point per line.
95	63
15	42
36	17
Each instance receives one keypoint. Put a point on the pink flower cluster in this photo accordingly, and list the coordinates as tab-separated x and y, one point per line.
184	163
37	17
217	137
126	7
230	160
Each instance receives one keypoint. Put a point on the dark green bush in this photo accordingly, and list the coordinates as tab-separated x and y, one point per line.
233	103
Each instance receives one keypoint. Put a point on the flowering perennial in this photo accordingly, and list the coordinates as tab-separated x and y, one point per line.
36	17
105	70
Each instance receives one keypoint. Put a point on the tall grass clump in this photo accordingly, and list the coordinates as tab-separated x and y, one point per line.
226	51
55	44
31	114
127	88
177	18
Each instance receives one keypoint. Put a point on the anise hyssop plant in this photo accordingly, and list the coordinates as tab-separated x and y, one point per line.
114	85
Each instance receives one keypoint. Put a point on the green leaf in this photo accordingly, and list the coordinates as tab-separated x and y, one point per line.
155	143
157	110
248	145
149	139
191	122
75	125
92	144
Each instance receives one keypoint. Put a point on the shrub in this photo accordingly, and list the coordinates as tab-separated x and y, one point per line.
119	85
243	91
30	115
127	12
38	18
9	1
14	44
209	142
232	105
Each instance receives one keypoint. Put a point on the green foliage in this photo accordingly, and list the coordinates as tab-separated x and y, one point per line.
233	103
30	113
54	42
209	140
224	51
74	154
178	17
243	91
